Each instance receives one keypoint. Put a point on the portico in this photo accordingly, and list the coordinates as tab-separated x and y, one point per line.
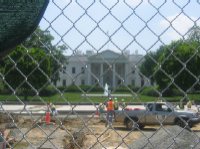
107	67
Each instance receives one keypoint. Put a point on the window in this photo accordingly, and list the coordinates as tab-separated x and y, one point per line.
119	82
82	82
162	107
133	82
64	69
159	107
73	70
55	83
150	107
64	83
82	70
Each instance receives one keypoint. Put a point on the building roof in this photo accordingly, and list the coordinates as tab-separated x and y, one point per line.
77	58
108	56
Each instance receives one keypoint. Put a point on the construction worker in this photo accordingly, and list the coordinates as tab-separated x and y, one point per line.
123	104
53	109
48	107
101	111
116	104
110	112
189	104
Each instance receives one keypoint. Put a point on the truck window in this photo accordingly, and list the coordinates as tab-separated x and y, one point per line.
150	107
159	107
162	107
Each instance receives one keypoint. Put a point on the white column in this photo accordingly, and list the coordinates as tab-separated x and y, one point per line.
126	81
89	74
114	83
101	74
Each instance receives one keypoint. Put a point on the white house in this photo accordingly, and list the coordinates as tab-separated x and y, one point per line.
106	67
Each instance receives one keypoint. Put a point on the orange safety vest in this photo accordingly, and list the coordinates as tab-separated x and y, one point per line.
110	106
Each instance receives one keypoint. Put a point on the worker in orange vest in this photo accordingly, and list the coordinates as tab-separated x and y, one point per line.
110	112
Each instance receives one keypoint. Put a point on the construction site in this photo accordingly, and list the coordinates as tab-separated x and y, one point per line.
99	74
73	132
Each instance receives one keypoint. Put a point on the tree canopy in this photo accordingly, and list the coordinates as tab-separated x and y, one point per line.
175	66
43	40
26	70
179	64
30	66
194	33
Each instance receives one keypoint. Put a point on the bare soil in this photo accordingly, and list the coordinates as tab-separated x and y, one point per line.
75	132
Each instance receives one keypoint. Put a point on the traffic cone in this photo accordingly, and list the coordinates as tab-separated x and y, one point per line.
97	113
48	118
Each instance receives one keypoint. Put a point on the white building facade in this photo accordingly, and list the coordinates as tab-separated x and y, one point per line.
106	67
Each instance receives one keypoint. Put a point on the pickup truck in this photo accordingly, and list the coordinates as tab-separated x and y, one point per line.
157	113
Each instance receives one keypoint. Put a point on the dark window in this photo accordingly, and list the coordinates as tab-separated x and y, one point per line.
119	82
73	70
150	107
82	82
82	70
64	69
133	82
54	82
64	82
159	107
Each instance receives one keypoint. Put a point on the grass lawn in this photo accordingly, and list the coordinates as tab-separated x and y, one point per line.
77	98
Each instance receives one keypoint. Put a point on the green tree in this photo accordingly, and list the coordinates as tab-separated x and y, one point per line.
26	70
194	33
40	39
179	63
149	63
43	40
175	65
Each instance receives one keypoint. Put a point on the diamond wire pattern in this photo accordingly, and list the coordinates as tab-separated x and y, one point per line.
75	31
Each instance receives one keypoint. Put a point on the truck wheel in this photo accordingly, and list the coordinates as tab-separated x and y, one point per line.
190	124
141	126
180	123
131	124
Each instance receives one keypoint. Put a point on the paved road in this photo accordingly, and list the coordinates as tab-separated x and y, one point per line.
40	109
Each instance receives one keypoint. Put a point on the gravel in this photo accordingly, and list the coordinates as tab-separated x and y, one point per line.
172	137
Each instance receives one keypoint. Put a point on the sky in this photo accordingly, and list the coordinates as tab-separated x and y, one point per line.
138	26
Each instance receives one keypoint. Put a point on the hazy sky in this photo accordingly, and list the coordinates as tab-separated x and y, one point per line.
132	25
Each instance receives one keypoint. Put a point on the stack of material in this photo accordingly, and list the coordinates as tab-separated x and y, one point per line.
173	137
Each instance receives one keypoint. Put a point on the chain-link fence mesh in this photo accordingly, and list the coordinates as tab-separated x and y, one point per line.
144	55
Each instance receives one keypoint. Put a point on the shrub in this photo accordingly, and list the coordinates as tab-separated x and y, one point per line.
5	91
72	88
62	88
96	89
150	91
172	92
48	91
122	89
23	92
85	88
134	88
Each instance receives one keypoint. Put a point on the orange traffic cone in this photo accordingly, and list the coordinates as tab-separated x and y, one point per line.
97	113
48	118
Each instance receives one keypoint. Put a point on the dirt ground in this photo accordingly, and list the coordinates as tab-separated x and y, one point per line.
77	132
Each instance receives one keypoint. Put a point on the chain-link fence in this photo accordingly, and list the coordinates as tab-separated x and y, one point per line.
105	74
